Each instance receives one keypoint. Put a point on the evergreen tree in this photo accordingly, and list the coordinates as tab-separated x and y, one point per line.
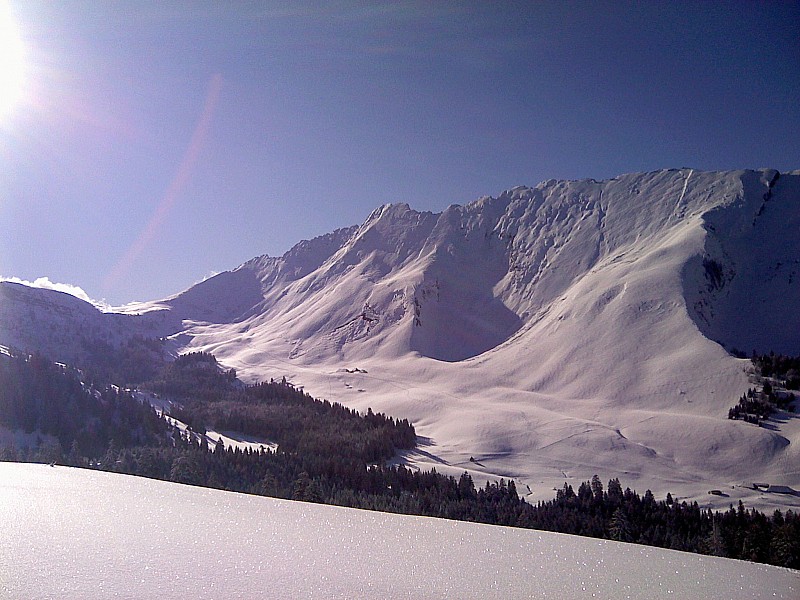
185	469
619	528
597	489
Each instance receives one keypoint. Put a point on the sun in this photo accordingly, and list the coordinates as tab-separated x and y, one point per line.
12	60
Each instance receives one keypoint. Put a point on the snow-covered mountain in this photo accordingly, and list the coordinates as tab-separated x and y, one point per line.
141	538
554	332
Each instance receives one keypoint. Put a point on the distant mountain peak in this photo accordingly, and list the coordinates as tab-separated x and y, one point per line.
572	323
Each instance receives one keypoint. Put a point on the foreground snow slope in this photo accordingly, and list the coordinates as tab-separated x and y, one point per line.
551	333
71	533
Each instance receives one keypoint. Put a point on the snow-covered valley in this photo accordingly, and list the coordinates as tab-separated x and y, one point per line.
72	533
548	334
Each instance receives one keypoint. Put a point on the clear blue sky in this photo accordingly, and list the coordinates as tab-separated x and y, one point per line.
156	142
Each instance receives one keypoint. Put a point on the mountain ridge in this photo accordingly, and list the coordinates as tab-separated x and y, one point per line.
555	331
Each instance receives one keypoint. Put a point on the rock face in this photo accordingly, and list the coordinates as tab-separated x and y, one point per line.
576	325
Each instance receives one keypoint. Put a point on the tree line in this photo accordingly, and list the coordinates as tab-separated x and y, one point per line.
756	405
331	454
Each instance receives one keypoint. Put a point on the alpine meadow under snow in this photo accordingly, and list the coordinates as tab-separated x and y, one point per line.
73	533
548	334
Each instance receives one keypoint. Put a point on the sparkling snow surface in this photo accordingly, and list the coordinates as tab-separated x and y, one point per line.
71	533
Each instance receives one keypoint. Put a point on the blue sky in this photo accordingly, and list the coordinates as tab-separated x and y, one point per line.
154	143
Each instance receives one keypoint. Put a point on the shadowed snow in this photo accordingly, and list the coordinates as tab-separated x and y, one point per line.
556	332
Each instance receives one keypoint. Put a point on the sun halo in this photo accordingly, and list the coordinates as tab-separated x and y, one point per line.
12	61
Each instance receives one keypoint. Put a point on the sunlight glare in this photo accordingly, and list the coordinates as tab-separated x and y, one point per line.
12	60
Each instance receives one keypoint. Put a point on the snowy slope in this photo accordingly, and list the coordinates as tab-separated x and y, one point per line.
141	538
55	323
550	333
556	332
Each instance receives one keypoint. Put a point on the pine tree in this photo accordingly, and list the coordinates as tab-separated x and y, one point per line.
714	544
185	470
301	485
597	489
619	528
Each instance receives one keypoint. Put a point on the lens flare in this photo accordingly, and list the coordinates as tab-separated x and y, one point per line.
12	60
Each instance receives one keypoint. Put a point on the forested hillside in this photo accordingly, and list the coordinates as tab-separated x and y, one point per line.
570	327
332	454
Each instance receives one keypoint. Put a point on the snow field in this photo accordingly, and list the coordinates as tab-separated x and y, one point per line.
78	534
555	332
